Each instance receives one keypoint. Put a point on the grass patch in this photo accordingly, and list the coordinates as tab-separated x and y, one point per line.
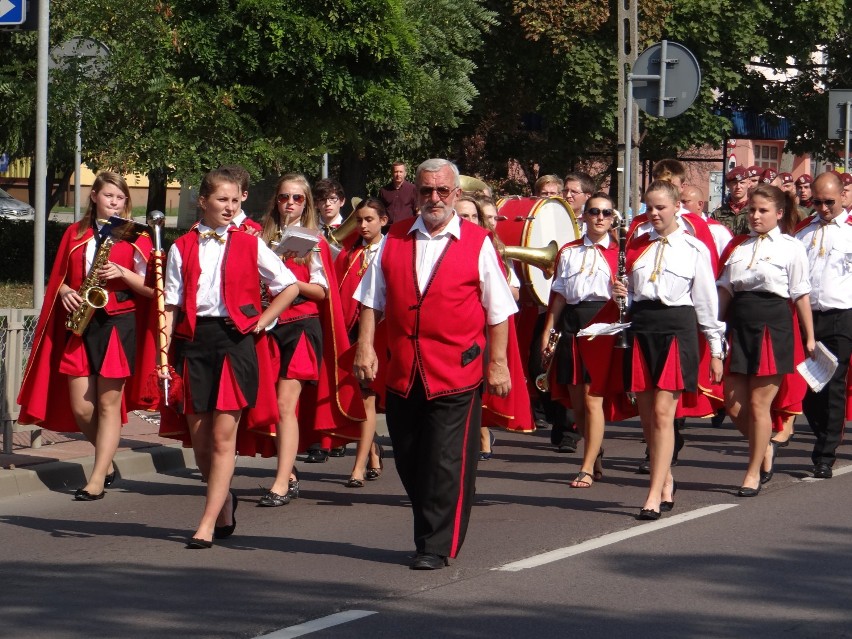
16	295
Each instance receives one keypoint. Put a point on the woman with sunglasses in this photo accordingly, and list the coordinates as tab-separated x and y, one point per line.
762	274
581	287
303	335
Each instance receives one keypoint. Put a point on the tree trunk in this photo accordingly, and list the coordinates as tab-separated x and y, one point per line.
353	176
156	190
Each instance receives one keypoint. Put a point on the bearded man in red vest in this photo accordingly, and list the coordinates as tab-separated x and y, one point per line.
446	301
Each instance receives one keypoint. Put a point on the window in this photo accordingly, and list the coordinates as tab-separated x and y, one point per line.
767	155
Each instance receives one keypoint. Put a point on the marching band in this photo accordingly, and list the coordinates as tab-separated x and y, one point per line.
256	336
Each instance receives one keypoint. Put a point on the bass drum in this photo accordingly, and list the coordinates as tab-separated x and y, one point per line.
533	222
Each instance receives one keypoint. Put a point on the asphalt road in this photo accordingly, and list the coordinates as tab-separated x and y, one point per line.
779	565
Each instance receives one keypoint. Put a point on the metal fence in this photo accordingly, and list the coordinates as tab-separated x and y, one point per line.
17	326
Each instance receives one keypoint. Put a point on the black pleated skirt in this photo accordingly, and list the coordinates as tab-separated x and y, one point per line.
657	329
569	363
760	332
219	367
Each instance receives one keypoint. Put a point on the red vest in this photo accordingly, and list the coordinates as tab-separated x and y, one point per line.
240	290
441	332
121	297
301	306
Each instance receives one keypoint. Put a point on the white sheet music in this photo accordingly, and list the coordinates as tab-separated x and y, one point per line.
602	328
818	371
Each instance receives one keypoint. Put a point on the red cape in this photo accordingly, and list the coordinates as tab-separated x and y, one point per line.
44	397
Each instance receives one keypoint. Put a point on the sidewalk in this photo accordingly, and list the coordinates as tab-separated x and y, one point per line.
64	460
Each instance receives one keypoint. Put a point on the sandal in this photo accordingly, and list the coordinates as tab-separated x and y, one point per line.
582	480
373	474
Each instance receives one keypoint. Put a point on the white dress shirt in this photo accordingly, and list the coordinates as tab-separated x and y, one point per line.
209	301
829	250
583	274
770	263
140	262
494	293
683	276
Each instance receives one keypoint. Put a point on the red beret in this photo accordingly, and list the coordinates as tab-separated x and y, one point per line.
846	178
768	176
753	171
786	178
736	174
803	179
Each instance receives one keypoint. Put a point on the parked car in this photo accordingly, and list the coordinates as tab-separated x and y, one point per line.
13	209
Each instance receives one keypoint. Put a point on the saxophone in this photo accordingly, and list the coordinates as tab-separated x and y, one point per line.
92	291
542	382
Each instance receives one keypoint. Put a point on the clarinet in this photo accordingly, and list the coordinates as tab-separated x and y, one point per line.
622	277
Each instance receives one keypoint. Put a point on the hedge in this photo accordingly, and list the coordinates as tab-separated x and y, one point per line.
16	248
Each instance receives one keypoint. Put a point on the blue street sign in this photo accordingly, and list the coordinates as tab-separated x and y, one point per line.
12	12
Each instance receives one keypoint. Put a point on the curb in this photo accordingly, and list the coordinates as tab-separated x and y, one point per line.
63	476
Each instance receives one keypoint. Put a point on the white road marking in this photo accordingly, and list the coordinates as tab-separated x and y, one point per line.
611	538
322	623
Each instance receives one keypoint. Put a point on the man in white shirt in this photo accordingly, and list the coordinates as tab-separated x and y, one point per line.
828	241
441	289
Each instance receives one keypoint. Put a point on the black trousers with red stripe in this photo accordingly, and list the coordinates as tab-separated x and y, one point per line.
826	410
436	450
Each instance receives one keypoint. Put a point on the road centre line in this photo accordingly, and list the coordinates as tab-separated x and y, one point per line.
609	539
315	625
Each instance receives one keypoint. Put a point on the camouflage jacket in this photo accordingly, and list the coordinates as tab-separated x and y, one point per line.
737	223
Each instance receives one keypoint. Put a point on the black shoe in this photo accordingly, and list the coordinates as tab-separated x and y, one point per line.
109	480
668	506
354	483
745	491
84	495
273	500
429	561
647	514
567	444
644	467
542	424
340	451
293	485
766	475
316	456
718	419
372	473
194	543
823	471
223	532
784	443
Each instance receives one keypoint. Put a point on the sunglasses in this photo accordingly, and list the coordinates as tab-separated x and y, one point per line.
816	202
298	198
442	191
596	211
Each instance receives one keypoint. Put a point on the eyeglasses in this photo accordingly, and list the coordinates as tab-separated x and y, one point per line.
298	198
568	192
442	191
331	200
596	211
828	203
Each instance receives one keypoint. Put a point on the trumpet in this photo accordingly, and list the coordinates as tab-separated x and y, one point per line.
543	257
542	382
